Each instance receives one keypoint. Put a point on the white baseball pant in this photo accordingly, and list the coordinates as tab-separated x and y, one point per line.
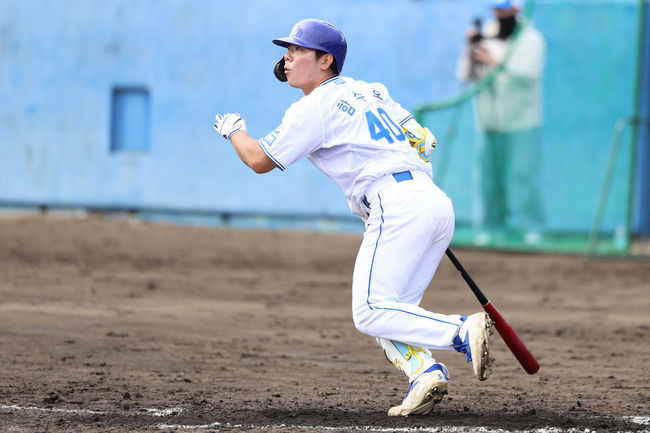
410	226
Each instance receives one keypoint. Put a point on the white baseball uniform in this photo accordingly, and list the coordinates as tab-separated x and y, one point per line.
351	130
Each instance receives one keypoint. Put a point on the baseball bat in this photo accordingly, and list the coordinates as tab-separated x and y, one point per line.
511	338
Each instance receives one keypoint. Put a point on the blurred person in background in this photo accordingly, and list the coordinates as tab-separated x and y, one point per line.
509	114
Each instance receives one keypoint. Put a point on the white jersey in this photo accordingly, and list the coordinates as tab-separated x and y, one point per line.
351	131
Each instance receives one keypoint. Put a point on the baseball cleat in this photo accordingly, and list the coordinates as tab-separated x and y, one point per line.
473	340
424	393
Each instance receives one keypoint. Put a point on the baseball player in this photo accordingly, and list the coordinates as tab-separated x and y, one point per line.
378	154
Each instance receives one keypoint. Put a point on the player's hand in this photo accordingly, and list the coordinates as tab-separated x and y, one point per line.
420	138
229	123
425	145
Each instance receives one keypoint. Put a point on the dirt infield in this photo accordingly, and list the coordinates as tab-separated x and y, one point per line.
110	325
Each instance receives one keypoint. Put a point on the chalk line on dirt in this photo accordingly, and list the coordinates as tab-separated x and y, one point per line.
51	409
145	411
438	429
642	420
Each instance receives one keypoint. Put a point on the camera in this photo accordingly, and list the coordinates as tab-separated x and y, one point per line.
478	36
475	66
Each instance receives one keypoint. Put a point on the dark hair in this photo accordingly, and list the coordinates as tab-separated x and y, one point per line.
333	68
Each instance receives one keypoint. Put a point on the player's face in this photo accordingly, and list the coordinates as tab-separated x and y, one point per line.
302	68
505	13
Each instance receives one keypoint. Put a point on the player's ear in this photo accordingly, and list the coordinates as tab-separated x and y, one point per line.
326	61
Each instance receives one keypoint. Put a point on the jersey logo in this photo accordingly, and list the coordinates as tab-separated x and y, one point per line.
345	107
270	138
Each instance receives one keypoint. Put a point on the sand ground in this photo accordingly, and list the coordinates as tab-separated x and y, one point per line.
103	321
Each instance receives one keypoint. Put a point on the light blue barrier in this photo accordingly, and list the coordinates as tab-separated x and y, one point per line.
61	67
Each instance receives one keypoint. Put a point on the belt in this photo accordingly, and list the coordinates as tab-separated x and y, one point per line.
402	176
399	177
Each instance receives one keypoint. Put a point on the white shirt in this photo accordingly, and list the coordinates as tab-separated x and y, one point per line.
351	131
514	100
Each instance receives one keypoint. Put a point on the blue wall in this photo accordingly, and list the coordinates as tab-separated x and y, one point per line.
60	63
59	67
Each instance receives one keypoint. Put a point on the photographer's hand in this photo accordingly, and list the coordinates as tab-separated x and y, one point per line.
482	55
473	35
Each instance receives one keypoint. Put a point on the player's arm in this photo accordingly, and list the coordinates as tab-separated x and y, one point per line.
248	149
232	127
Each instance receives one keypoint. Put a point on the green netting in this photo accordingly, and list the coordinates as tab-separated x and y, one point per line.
565	185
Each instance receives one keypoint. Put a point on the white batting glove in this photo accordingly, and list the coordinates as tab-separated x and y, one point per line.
229	123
